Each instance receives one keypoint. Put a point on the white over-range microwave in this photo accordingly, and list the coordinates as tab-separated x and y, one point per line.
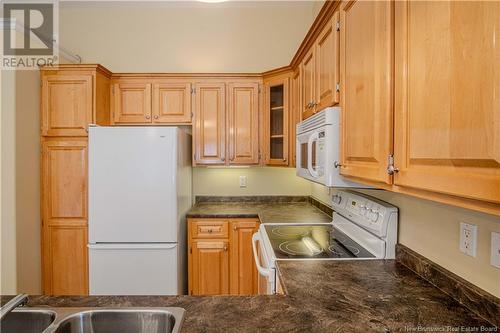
318	149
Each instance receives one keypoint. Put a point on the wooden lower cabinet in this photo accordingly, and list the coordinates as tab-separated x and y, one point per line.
221	263
209	267
243	272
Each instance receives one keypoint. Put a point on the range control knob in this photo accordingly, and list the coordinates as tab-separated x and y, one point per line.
373	216
336	199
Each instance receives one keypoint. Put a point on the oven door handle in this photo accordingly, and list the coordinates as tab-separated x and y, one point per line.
312	138
262	271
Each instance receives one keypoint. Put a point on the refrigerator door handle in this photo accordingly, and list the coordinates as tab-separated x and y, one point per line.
132	246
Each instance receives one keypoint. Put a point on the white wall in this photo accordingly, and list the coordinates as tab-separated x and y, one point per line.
432	229
188	36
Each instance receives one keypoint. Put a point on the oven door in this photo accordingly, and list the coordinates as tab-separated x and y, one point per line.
311	155
266	274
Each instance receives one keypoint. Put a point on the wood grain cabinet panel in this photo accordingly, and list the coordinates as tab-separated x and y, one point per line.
295	112
65	260
447	110
171	102
131	102
327	65
67	104
64	216
243	272
209	267
243	114
308	69
366	75
64	181
210	123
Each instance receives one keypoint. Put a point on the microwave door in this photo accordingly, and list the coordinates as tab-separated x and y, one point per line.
312	154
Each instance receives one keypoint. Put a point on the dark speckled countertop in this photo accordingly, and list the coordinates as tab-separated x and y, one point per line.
272	212
322	296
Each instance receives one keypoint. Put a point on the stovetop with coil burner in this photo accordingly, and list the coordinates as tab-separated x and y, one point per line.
313	242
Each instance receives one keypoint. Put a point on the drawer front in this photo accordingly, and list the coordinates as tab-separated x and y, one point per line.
209	229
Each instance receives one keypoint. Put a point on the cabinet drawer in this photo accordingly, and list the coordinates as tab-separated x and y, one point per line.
209	229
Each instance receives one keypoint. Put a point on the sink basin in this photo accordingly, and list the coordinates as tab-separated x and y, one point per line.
119	320
93	320
27	321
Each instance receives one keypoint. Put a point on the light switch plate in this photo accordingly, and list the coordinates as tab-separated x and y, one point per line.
243	181
468	238
495	249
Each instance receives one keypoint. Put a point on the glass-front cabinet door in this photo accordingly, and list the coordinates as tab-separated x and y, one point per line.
276	122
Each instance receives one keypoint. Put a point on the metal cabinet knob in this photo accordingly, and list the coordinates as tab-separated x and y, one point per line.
225	247
337	165
148	117
156	117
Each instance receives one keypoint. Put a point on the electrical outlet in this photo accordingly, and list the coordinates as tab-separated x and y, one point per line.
495	249
243	181
468	238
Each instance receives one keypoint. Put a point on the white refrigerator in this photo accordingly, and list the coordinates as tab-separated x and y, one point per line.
139	192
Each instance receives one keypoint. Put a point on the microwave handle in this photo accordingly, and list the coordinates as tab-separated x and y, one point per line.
312	138
262	271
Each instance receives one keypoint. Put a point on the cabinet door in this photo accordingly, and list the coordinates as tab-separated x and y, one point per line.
308	80
210	123
366	75
327	65
295	112
243	272
65	260
131	103
447	110
64	217
243	113
67	105
276	122
209	267
171	102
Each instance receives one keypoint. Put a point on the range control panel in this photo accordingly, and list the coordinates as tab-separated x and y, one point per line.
370	213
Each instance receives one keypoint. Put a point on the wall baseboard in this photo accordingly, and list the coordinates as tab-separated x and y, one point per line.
475	299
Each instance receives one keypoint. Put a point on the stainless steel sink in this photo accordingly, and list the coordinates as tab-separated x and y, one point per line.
27	321
93	320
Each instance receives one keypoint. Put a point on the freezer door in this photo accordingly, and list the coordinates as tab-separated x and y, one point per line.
132	185
133	269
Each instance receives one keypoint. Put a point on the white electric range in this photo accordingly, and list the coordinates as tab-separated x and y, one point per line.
362	228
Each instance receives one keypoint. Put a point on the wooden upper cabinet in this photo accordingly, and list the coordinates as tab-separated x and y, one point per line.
327	65
210	123
447	110
366	80
295	112
209	267
131	102
171	102
243	272
276	121
308	70
67	104
243	117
